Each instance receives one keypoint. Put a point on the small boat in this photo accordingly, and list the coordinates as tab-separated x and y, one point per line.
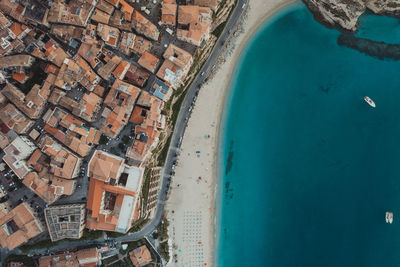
369	101
389	217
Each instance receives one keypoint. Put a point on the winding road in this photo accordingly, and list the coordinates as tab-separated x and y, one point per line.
176	139
182	120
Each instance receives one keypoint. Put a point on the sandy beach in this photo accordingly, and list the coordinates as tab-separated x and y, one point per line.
191	207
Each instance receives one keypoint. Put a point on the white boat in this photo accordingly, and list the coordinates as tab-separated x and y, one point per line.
369	101
389	217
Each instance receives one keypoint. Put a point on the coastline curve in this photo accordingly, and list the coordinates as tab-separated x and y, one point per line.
297	171
195	186
241	43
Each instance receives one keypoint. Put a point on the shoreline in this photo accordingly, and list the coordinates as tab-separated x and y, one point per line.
193	197
240	44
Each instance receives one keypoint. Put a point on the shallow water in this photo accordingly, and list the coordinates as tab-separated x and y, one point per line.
312	168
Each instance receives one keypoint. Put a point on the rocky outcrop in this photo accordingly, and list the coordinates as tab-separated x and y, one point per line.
379	50
384	7
344	14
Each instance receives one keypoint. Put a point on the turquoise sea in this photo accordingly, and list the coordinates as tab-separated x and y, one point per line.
308	169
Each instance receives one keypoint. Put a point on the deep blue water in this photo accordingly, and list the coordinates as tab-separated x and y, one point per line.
314	168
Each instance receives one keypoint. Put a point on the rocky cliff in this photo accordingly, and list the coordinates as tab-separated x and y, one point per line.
344	14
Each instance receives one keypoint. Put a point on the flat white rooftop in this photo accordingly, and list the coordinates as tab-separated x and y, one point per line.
134	176
125	214
127	208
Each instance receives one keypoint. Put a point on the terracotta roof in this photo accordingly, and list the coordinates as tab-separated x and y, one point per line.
145	137
144	26
97	220
120	101
78	137
13	9
168	13
148	61
104	166
141	45
16	60
137	115
83	257
106	200
197	22
140	256
34	102
48	193
127	41
77	70
88	256
127	9
179	56
188	14
97	225
59	260
106	70
94	197
17	28
63	164
120	71
136	75
105	6
50	68
99	90
113	2
147	114
90	52
14	119
109	34
100	16
87	108
50	51
34	157
66	32
19	77
112	41
24	227
66	12
4	22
